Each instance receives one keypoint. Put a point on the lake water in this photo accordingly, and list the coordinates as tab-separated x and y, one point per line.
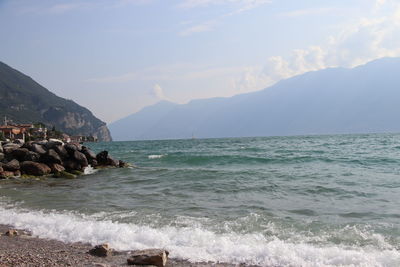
280	201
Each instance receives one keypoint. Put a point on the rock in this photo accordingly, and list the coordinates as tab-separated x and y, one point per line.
38	149
72	165
20	153
55	168
35	168
61	151
102	158
12	166
53	143
17	173
1	168
51	157
42	142
18	141
11	232
9	148
71	148
112	162
102	250
1	147
81	158
32	156
156	257
90	155
93	162
6	174
122	164
28	145
64	174
1	156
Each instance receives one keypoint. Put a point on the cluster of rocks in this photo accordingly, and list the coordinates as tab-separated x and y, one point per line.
148	257
53	157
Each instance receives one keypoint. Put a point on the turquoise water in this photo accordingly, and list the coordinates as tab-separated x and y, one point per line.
282	201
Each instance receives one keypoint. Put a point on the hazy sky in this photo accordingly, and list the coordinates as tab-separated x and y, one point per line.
117	56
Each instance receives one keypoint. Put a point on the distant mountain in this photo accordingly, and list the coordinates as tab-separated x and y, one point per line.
364	99
25	101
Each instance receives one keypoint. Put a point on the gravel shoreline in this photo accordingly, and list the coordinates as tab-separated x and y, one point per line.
27	250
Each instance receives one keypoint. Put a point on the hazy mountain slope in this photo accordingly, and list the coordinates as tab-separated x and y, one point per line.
363	99
25	101
134	126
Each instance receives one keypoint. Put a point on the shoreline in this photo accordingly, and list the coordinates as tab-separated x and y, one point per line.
28	250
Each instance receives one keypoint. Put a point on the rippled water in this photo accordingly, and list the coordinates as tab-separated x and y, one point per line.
283	201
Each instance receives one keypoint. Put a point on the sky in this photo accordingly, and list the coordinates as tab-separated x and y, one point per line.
118	56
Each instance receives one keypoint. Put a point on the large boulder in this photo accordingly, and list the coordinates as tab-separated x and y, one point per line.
61	151
71	148
35	168
102	250
38	149
12	166
55	168
102	158
32	156
81	158
90	155
112	162
71	164
156	257
20	153
28	145
53	143
10	147
51	157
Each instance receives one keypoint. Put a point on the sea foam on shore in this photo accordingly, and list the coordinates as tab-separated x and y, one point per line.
195	243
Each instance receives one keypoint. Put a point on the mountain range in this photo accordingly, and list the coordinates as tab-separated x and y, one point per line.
23	100
364	99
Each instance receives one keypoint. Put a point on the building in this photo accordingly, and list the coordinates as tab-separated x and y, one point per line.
16	131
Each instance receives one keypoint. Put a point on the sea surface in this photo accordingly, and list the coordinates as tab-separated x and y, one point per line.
329	200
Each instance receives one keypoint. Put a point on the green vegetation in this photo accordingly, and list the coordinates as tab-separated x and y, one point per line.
25	101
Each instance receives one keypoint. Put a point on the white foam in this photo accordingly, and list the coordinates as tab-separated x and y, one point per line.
195	243
155	156
89	170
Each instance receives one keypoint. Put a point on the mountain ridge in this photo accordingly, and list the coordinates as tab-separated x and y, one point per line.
23	100
328	101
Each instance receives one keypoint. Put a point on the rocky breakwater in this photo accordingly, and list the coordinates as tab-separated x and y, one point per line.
50	158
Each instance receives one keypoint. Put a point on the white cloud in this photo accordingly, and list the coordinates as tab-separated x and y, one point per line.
174	72
366	39
308	12
203	27
205	3
234	7
158	92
